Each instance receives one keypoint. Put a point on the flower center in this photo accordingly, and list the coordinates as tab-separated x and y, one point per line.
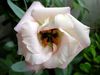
49	37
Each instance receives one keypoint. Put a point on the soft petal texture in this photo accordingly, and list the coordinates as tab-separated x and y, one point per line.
82	31
62	56
21	46
43	13
27	15
36	54
75	28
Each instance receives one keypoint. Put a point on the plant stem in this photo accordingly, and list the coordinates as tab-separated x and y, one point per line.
25	4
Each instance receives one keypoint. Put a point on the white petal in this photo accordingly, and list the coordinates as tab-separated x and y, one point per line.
36	54
40	14
30	38
38	58
64	22
61	57
34	68
47	25
27	15
81	30
75	28
21	46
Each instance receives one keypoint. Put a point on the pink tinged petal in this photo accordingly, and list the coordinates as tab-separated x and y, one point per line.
72	44
21	46
64	22
27	15
40	14
36	54
30	38
38	58
82	31
60	59
75	28
34	68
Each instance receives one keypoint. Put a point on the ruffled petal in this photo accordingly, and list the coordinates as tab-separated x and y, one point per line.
40	14
82	31
36	54
34	68
27	15
68	43
21	46
75	28
30	38
38	58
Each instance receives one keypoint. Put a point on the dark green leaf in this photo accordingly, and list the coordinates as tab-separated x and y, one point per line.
97	37
86	56
97	59
98	44
68	71
85	67
93	51
78	73
59	71
77	59
81	3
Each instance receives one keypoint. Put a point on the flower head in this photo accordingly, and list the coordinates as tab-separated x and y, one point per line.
50	37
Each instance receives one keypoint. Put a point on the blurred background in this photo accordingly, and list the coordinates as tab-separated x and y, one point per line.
86	11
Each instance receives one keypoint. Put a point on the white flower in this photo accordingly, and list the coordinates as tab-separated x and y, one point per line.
50	37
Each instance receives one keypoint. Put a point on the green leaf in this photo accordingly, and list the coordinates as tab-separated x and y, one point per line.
9	45
86	57
78	73
77	59
58	3
93	51
81	3
97	59
97	37
59	71
98	44
45	72
20	67
68	71
18	11
48	2
85	67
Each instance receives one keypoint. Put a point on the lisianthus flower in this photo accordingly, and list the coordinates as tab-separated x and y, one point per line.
50	37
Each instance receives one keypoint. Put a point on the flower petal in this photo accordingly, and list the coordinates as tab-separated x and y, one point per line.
75	28
21	46
27	15
82	31
40	14
38	58
29	35
34	68
36	54
61	57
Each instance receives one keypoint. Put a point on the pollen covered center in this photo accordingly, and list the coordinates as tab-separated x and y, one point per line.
49	37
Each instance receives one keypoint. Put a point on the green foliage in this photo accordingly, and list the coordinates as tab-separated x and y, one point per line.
85	67
19	12
20	67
